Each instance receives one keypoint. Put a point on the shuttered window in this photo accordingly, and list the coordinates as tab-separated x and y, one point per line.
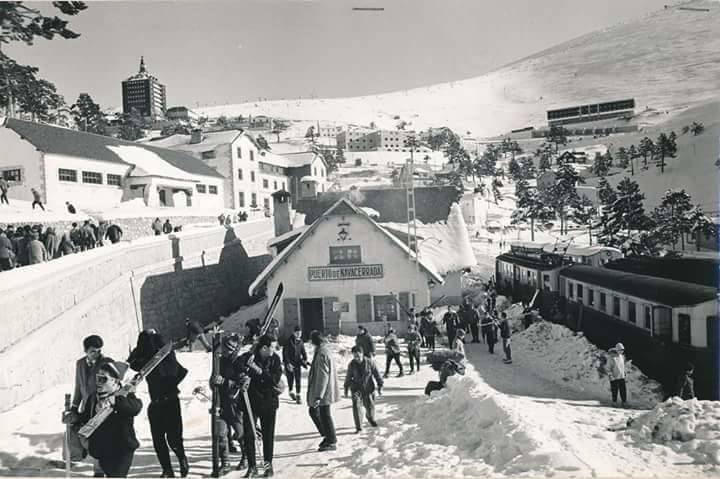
363	306
385	308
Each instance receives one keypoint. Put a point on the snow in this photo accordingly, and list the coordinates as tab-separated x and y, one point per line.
20	211
148	163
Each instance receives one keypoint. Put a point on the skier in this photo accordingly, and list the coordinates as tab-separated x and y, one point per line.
449	368
413	346
458	344
451	322
36	199
686	385
114	443
361	377
3	191
113	233
392	352
167	227
323	390
264	367
166	426
274	331
505	335
102	232
253	328
70	208
295	358
88	236
616	372
365	341
156	226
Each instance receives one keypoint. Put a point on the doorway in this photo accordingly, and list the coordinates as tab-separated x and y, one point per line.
311	316
163	198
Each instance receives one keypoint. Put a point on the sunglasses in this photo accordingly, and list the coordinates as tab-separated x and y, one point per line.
101	379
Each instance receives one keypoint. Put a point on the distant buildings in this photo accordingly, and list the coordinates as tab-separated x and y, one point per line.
591	112
376	140
181	113
94	171
144	94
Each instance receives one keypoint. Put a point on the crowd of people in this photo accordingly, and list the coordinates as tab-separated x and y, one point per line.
32	244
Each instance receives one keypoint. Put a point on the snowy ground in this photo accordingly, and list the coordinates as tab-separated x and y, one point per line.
496	421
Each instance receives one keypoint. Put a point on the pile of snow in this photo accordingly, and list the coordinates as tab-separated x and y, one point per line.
567	358
19	211
691	427
149	163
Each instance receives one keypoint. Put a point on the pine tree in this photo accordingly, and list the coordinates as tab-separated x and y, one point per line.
530	206
646	148
584	213
625	224
696	128
514	169
563	194
673	217
606	193
623	157
527	169
600	167
666	147
545	153
633	155
558	135
131	128
88	115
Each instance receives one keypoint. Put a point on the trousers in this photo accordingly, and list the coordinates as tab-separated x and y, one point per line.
166	428
388	360
506	348
322	418
267	426
474	331
117	465
294	378
414	357
366	401
618	385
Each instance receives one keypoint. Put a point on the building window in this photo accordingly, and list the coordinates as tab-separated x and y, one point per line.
580	292
591	297
603	302
616	306
253	201
201	188
283	186
14	175
275	185
648	317
632	316
252	155
684	331
570	290
92	177
265	183
241	199
240	176
208	155
252	176
345	255
212	189
114	180
239	152
385	308
266	203
67	175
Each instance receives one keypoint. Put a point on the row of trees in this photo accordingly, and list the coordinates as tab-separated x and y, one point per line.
658	151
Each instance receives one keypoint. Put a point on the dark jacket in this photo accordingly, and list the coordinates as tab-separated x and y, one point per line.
686	387
413	340
117	433
84	384
264	390
6	247
66	245
164	379
451	321
167	228
505	329
294	352
365	341
114	233
359	377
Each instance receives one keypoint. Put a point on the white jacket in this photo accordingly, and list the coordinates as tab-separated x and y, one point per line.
616	367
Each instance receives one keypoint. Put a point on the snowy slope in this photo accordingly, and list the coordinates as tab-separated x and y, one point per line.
666	60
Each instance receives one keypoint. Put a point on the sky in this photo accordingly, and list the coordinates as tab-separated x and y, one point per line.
222	52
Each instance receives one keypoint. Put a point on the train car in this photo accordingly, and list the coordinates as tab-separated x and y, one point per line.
663	323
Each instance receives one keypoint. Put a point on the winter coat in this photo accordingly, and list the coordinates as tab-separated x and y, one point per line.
686	387
451	321
360	375
425	326
458	346
84	384
3	185
51	243
322	379
66	245
117	433
156	226
505	329
392	347
468	316
264	385
164	379
114	233
167	228
37	252
413	340
23	251
616	367
365	341
294	353
6	248
88	235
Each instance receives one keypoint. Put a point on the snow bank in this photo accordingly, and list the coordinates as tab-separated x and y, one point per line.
467	429
147	163
566	358
691	427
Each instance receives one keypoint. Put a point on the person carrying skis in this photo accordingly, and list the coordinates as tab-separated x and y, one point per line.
114	442
505	335
424	327
164	413
685	388
470	319
616	373
294	358
264	367
323	390
413	346
392	352
37	200
365	341
361	377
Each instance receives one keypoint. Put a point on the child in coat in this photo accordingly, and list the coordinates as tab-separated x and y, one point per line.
413	340
361	378
392	352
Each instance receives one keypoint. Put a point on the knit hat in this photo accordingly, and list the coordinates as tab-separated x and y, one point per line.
620	347
115	369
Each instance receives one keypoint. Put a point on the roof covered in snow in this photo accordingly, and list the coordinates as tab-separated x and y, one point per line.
690	270
444	245
149	163
212	138
63	141
346	207
658	290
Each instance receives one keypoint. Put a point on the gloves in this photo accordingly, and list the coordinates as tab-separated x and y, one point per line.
379	391
217	381
316	403
289	368
70	417
306	365
245	383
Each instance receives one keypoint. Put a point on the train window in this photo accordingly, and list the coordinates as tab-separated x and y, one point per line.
580	292
591	297
603	302
648	317
616	306
570	290
684	331
632	317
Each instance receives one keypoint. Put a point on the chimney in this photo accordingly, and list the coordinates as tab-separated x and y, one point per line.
196	136
281	212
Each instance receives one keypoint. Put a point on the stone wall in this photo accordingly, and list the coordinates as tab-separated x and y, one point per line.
116	291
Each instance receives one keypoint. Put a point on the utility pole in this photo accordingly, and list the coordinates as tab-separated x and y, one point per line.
410	196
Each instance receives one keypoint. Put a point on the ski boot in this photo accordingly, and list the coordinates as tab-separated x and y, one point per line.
269	469
251	472
184	466
168	473
293	396
401	374
225	467
373	423
298	399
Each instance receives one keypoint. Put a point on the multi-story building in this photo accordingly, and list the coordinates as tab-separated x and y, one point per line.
357	139
144	94
181	113
378	140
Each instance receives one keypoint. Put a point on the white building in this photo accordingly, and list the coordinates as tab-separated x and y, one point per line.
96	171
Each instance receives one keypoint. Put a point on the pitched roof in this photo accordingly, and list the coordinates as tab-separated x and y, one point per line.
342	207
63	141
658	290
704	271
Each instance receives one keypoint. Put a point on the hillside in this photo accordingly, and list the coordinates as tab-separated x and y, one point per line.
666	60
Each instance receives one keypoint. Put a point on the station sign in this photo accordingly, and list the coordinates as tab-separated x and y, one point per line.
344	272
